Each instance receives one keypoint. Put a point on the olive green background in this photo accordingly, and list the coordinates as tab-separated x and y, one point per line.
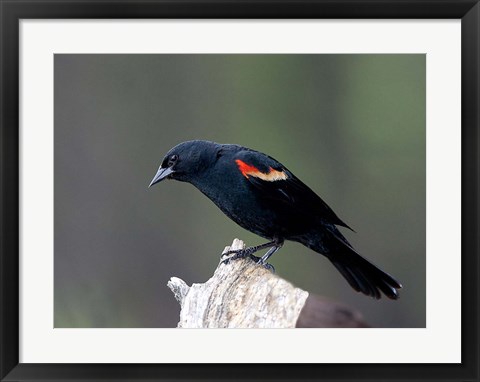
352	127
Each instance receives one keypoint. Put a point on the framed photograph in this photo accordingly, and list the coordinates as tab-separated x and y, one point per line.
348	130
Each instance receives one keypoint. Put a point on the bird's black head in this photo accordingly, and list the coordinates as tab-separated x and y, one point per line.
186	161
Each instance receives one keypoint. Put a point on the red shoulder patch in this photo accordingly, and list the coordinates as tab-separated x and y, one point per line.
249	170
246	169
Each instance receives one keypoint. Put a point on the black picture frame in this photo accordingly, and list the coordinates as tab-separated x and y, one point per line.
13	11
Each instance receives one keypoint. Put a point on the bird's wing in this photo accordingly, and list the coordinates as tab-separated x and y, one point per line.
277	183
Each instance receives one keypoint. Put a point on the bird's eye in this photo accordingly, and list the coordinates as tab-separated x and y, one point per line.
172	160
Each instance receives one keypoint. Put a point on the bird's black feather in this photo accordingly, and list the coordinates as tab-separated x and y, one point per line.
291	191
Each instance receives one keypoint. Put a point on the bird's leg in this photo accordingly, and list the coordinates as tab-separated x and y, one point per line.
241	253
274	246
250	250
271	251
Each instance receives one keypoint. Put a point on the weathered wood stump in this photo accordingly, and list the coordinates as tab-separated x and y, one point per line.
243	294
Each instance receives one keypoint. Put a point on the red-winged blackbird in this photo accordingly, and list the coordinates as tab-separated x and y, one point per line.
263	196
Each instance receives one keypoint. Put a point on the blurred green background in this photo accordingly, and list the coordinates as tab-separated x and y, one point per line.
352	127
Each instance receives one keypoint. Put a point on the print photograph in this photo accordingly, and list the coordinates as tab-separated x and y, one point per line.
240	191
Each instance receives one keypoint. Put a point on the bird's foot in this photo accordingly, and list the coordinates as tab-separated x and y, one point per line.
242	253
237	254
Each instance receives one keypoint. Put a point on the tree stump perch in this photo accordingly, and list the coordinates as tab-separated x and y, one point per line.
243	294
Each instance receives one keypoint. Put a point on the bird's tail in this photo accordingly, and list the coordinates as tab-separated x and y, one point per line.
361	274
365	277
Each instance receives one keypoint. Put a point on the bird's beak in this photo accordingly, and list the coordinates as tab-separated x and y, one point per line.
161	174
